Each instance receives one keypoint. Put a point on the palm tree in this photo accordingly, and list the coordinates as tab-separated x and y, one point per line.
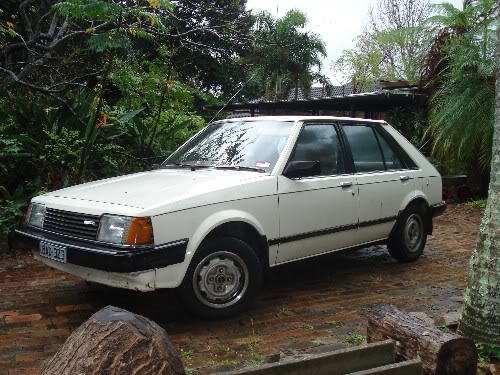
285	56
462	78
451	23
481	313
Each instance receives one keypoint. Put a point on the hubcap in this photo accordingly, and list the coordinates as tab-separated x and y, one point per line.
220	280
414	230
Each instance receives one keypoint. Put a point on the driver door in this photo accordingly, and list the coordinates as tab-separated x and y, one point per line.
317	213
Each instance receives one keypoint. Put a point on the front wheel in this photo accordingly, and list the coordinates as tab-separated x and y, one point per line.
223	278
408	240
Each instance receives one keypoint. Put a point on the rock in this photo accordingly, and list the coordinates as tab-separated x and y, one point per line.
449	320
116	342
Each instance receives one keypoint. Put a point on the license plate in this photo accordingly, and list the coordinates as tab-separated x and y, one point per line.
53	251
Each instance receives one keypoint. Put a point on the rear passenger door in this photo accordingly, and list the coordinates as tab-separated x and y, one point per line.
384	181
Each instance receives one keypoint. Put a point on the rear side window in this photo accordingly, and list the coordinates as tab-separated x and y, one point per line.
365	148
392	160
320	142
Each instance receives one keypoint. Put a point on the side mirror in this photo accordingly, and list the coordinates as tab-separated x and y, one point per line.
298	169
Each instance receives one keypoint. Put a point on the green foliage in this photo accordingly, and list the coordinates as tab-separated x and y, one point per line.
488	353
163	106
62	154
411	122
477	203
10	214
391	47
212	53
285	56
355	340
462	107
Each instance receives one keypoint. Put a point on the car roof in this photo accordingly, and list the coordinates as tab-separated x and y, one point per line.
302	118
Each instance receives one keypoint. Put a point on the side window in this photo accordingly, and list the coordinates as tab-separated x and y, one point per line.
365	148
318	142
392	160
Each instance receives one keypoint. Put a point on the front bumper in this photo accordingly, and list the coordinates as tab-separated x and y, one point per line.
106	257
438	209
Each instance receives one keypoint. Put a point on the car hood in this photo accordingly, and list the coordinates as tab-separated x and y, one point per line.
157	188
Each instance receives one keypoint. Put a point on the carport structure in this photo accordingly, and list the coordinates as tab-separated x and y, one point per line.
374	104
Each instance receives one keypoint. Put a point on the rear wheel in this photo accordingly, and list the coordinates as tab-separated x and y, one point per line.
222	279
408	239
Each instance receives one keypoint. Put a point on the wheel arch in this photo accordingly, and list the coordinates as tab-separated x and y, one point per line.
232	223
419	200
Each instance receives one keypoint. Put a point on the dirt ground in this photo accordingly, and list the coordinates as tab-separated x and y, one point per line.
305	305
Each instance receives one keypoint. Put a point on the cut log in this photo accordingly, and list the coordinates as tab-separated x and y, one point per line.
441	353
116	342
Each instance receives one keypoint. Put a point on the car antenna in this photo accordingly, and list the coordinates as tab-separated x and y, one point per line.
229	101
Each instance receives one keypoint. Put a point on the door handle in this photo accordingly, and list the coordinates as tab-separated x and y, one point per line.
345	184
404	178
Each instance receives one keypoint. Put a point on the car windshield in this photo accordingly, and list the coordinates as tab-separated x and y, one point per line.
239	145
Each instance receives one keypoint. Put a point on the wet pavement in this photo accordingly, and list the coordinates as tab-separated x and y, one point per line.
303	306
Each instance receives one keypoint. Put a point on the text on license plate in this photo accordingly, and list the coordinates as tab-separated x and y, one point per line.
53	251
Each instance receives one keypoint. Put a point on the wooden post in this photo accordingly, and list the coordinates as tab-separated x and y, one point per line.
441	353
116	342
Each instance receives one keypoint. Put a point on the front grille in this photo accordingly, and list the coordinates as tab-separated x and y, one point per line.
71	223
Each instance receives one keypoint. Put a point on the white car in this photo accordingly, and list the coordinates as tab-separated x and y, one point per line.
240	196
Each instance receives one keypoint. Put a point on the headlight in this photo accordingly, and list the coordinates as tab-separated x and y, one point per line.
126	230
36	215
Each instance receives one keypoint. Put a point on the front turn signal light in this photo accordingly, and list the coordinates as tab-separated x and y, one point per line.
140	231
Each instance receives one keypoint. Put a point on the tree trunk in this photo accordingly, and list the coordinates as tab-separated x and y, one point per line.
481	313
441	353
116	342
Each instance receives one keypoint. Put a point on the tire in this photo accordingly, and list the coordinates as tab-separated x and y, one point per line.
223	278
407	241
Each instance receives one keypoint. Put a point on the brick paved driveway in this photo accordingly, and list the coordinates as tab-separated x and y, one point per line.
322	301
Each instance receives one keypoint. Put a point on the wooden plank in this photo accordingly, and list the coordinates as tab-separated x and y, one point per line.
339	362
413	367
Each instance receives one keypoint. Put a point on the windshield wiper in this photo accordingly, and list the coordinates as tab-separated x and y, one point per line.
186	165
240	168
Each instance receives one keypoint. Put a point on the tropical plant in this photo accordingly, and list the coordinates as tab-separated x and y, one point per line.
462	106
285	56
62	41
216	35
162	107
481	312
447	24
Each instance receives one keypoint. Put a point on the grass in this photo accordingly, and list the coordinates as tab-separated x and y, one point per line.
186	355
354	339
476	203
256	358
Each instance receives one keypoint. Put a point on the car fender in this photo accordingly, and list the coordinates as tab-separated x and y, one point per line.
410	197
217	219
172	276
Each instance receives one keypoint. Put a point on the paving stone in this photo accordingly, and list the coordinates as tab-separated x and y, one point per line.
303	306
22	318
